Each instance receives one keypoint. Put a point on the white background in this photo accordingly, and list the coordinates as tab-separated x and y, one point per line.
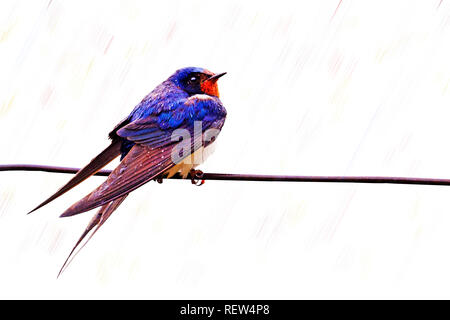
313	87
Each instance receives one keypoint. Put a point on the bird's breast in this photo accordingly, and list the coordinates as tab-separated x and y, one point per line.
191	162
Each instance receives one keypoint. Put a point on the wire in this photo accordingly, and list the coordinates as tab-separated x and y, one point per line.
252	177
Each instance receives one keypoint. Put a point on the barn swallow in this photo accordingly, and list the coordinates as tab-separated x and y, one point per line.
149	140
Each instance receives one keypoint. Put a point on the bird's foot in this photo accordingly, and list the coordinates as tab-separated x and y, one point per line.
196	177
158	179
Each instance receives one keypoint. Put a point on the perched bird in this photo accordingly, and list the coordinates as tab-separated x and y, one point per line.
162	136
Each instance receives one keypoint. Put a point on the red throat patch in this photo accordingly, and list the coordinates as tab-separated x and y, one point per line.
210	87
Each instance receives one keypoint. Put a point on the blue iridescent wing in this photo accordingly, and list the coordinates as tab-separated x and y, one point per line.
157	129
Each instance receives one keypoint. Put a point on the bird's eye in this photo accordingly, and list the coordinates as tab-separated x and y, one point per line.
193	79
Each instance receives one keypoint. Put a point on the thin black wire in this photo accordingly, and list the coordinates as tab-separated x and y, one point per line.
251	177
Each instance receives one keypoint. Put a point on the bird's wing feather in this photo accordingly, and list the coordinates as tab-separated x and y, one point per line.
101	160
152	155
156	128
139	165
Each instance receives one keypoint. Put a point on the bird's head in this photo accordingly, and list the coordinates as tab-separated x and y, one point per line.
197	81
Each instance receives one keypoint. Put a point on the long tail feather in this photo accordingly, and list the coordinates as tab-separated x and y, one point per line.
97	221
105	157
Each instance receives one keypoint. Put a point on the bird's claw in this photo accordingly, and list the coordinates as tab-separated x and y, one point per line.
159	180
196	177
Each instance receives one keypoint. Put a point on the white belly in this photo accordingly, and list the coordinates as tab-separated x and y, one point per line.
190	162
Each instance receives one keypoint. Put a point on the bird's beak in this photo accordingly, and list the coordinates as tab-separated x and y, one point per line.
216	77
209	86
